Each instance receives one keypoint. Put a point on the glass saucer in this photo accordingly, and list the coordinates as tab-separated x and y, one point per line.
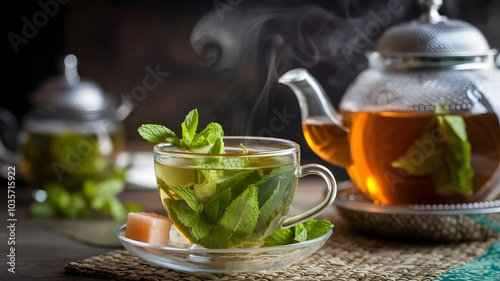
180	255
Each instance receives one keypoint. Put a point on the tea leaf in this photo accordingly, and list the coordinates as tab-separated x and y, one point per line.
237	222
158	134
302	232
268	184
219	238
217	147
189	127
188	194
239	182
216	206
207	136
317	229
207	187
191	218
280	237
448	163
241	215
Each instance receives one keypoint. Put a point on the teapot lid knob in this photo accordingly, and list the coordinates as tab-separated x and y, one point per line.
70	70
430	13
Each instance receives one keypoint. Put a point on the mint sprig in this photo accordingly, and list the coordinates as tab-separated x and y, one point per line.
210	137
449	162
227	210
302	232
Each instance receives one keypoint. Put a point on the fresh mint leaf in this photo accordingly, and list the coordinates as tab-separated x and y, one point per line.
188	194
457	124
276	191
189	127
239	182
190	218
158	134
430	162
302	232
269	211
110	187
207	136
217	147
280	237
225	163
235	220
216	206
241	215
268	184
116	209
110	205
449	162
219	238
207	187
316	228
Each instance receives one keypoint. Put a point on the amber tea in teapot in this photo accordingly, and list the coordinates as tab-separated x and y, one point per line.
420	124
377	140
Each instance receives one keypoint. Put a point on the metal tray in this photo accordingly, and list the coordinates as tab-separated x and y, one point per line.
443	223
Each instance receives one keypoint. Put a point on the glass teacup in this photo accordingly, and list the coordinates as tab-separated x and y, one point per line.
236	199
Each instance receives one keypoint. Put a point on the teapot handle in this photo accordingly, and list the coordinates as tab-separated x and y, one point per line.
9	129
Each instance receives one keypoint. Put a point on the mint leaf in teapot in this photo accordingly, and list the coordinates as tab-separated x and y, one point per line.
449	162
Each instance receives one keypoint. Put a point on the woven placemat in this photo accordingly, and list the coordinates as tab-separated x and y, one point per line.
347	255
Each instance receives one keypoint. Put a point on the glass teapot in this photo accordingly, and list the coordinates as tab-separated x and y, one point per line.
72	133
420	125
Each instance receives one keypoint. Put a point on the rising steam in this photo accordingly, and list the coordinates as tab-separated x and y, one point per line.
248	46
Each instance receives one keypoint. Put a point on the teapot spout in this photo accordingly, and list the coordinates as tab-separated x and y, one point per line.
314	103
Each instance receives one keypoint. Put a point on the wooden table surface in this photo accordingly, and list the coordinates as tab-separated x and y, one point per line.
41	252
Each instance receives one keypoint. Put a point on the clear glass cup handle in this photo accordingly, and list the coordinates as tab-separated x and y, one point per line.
331	184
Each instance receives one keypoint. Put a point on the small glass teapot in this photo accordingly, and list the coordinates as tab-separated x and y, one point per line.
72	134
421	124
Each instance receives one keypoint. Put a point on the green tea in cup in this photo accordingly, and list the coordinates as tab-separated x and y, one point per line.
233	192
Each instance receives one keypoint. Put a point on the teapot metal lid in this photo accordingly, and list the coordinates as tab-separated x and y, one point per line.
433	35
68	93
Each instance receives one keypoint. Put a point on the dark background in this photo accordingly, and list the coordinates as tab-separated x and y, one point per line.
116	40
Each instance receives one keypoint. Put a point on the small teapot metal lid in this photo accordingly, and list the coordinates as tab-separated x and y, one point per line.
432	35
69	93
